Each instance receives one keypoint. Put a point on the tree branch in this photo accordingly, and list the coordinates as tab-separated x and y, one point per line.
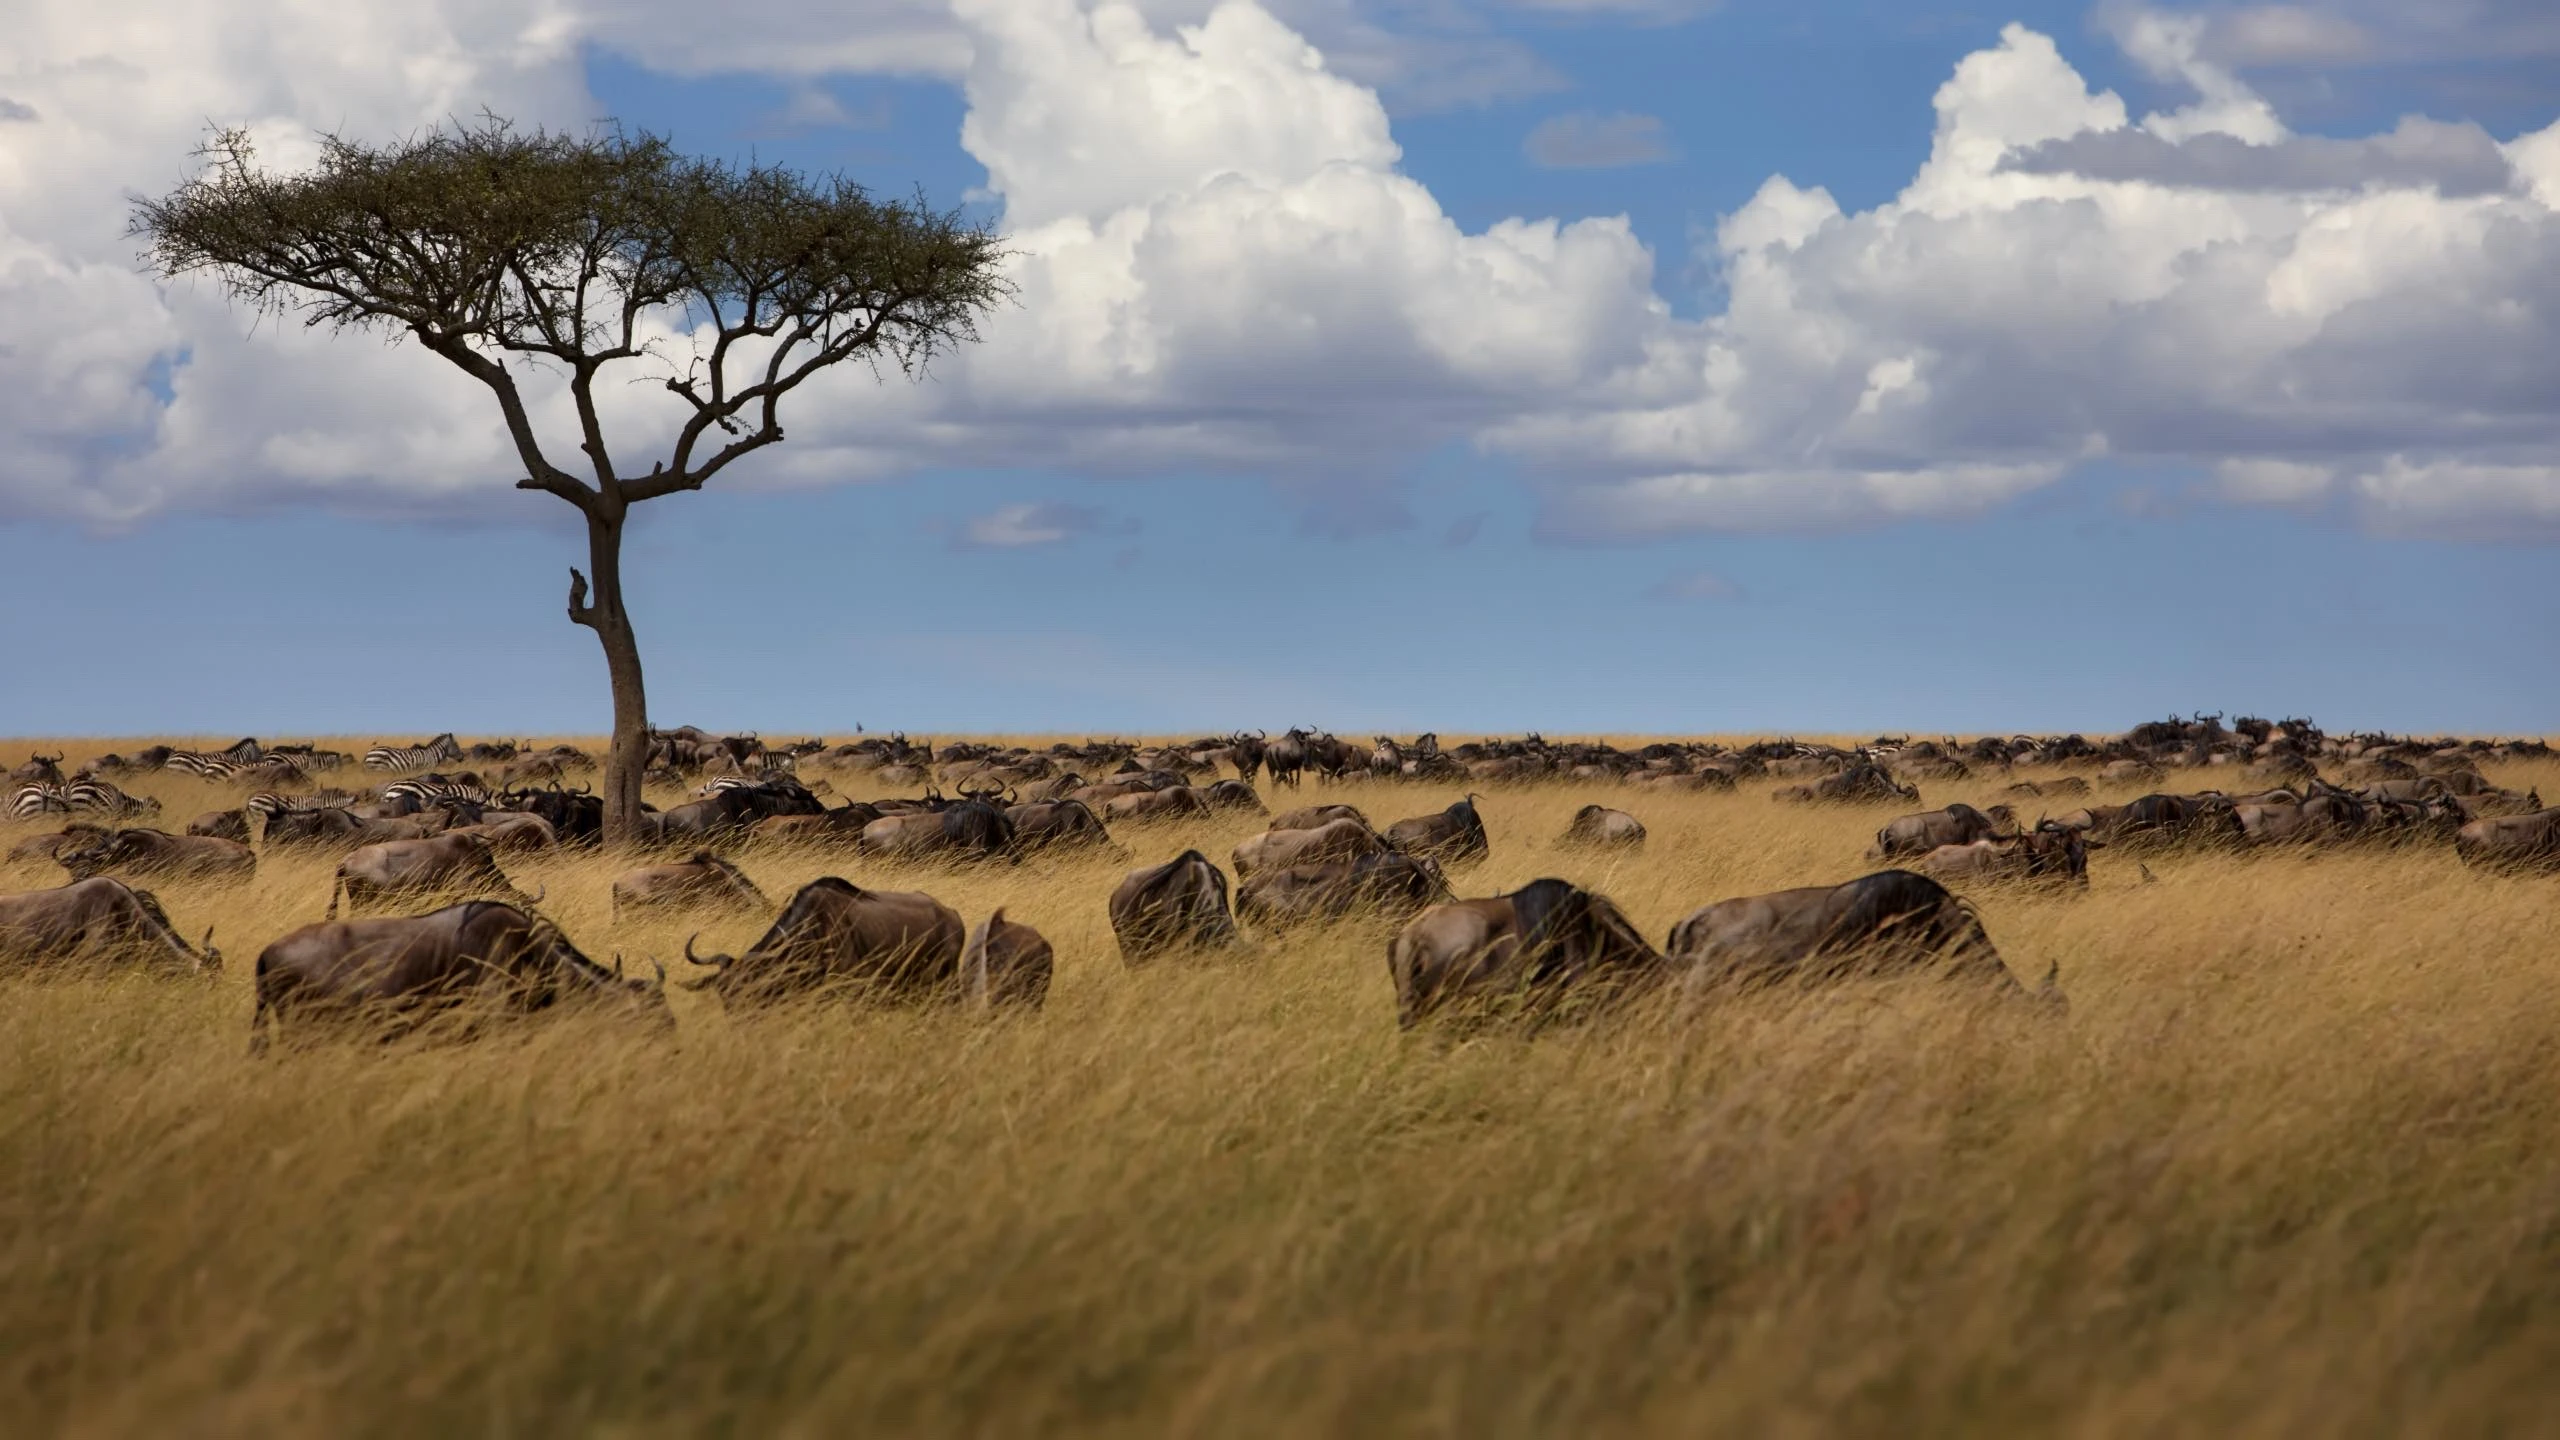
580	612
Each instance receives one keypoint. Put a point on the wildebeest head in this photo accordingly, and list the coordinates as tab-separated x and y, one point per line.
39	770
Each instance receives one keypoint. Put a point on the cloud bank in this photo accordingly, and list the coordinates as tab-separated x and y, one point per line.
1224	268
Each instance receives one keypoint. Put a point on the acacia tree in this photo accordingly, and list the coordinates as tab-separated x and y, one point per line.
520	255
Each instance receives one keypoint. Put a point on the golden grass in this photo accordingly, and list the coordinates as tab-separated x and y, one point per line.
2287	1168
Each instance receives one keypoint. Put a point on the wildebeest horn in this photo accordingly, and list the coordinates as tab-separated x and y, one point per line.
714	963
543	890
617	965
661	969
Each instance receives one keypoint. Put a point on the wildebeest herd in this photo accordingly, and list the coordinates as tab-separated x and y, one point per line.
433	925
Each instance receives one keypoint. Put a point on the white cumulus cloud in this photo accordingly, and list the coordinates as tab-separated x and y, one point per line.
1223	265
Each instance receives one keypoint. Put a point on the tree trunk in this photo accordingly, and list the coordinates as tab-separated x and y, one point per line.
627	761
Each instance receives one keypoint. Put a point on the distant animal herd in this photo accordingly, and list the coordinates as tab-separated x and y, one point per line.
432	832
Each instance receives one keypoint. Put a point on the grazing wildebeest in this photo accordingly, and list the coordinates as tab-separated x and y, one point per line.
1893	919
2128	772
2176	818
156	852
2058	785
1174	803
965	829
1957	824
1856	785
1532	948
1600	825
1044	823
1454	835
841	826
341	829
1232	795
2511	841
2325	814
889	943
97	919
703	880
1180	904
1309	817
1006	963
736	808
576	816
511	831
222	825
2048	852
50	847
1344	839
399	972
438	865
1386	884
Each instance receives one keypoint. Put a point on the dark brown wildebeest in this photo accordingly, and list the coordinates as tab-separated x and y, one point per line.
222	825
397	973
1178	905
1957	824
1309	817
1344	839
1232	795
1387	884
1286	757
1529	951
99	919
509	832
1006	963
962	830
50	847
2048	852
2048	789
890	944
2517	842
1063	823
439	865
39	770
2325	814
1857	785
705	880
157	852
1891	920
339	828
1453	836
840	827
1145	806
1600	825
2176	819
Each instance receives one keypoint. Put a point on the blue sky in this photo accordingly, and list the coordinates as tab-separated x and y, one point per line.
1472	574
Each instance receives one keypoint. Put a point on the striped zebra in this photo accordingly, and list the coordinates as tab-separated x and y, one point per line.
204	765
80	797
270	804
440	751
429	791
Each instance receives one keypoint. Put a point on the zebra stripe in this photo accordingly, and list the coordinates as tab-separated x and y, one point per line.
441	750
430	793
79	797
271	804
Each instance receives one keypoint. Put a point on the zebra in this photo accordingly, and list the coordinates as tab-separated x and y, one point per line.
309	758
440	750
429	791
80	797
215	766
271	804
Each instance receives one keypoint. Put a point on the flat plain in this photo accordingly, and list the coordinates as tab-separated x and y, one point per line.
2290	1165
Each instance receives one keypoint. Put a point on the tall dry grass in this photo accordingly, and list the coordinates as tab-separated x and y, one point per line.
2288	1167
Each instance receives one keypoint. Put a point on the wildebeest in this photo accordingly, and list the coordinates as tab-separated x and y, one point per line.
1957	824
2048	852
704	880
1006	963
341	828
1044	823
1232	795
1180	904
1893	919
735	808
156	852
2325	814
1344	839
50	847
1172	803
1454	835
888	943
1858	784
1530	949
97	919
2511	841
2168	819
1600	825
398	972
1308	817
222	825
965	830
436	866
1387	884
2058	785
510	831
39	770
841	826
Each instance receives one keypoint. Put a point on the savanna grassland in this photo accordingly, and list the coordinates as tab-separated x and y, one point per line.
2291	1165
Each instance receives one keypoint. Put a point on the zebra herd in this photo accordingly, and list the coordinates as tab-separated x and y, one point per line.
245	761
